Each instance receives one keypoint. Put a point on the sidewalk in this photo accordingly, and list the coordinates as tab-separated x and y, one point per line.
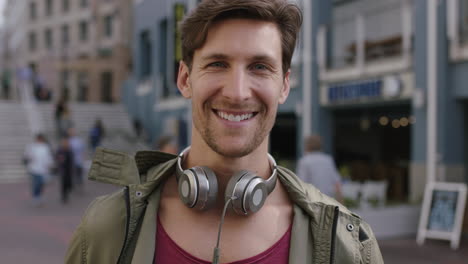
41	235
406	251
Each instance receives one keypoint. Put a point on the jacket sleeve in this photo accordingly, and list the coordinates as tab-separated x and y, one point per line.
77	249
370	251
100	235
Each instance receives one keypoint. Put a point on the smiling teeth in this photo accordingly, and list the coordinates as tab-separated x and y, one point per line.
234	118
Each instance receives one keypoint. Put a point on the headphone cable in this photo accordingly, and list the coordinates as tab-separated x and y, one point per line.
216	250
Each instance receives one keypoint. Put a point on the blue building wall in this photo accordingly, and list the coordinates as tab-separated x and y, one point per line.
148	16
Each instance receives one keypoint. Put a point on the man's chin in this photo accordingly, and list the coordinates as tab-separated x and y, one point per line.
233	151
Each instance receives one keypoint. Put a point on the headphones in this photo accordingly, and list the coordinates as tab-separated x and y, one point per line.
198	187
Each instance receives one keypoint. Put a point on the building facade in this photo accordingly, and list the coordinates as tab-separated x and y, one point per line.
389	91
361	79
77	49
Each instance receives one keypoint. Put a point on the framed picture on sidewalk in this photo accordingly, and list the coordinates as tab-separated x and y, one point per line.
442	212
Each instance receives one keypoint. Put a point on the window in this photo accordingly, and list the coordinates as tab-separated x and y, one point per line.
106	87
163	56
146	54
65	36
463	9
83	86
32	11
49	7
32	41
83	31
108	21
48	39
65	5
64	81
84	3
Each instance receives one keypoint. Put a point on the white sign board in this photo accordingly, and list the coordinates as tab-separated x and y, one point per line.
442	212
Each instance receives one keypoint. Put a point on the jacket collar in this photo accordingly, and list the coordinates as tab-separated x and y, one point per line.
114	167
146	170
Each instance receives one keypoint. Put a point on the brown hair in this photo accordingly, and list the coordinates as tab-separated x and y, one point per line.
287	16
313	143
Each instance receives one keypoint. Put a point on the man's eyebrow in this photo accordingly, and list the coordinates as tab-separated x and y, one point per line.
265	58
220	56
214	56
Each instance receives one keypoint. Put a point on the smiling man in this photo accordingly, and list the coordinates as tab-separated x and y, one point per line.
235	70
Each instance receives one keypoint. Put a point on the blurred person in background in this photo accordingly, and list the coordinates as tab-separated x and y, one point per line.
6	84
77	146
64	158
167	144
39	161
319	169
59	109
96	134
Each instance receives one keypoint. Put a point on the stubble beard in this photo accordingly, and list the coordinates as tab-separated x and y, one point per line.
209	134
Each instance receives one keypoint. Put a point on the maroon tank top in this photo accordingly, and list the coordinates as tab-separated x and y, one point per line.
168	252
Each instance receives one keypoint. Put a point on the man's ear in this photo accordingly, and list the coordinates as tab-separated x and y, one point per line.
183	80
285	88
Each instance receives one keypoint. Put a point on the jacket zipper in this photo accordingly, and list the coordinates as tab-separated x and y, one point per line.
127	224
335	223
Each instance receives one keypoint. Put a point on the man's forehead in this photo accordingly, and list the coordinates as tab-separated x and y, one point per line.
229	36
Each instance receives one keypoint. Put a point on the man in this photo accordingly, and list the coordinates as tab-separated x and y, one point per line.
64	157
39	161
318	168
78	150
235	70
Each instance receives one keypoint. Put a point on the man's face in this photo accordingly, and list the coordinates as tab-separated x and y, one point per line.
236	83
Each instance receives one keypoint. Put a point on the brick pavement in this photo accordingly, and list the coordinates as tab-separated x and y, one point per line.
40	235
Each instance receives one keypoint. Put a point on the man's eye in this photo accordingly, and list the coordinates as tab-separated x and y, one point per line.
217	64
259	67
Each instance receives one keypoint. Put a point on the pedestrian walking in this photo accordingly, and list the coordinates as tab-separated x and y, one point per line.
318	168
77	146
39	161
96	134
59	109
64	157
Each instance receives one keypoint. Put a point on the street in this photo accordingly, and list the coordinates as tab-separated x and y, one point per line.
41	234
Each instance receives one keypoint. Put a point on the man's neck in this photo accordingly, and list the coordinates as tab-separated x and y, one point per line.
225	167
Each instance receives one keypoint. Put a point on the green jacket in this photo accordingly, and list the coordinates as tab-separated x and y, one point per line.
121	227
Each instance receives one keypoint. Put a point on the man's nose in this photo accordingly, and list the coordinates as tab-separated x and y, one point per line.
237	87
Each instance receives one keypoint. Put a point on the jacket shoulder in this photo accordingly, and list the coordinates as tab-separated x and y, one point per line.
305	194
101	234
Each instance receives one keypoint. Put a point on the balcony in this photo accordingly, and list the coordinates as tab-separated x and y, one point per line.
375	41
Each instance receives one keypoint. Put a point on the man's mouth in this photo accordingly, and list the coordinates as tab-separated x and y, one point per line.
235	117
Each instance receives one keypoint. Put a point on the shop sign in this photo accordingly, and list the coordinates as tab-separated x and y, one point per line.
355	91
442	212
387	87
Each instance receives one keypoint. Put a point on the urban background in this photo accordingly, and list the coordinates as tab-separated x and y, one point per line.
383	82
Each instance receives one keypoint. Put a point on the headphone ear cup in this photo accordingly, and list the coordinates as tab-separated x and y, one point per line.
236	188
188	188
198	187
255	195
208	188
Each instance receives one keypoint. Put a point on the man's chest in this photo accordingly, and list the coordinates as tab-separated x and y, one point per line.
238	247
